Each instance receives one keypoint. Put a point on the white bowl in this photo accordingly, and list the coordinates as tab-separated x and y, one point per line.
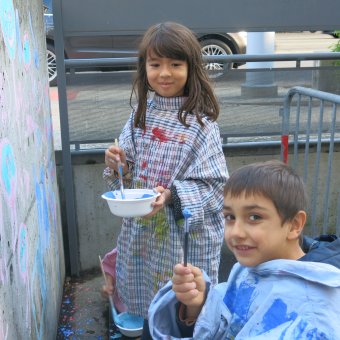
128	324
131	333
137	202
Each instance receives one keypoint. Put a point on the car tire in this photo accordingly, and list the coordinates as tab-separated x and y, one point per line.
216	47
51	64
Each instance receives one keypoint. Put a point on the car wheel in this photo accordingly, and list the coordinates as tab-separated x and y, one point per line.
216	47
51	65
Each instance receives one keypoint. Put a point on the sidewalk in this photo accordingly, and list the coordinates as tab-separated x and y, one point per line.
84	314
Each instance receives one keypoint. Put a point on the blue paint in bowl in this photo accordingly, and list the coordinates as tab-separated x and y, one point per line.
129	324
131	194
146	196
110	194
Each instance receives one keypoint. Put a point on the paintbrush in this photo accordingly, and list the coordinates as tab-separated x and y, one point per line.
120	173
110	296
186	213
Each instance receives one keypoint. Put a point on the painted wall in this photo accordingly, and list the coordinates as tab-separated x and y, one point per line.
31	249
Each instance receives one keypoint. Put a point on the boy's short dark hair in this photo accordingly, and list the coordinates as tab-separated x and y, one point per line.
274	180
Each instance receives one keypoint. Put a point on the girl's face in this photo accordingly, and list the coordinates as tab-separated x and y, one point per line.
166	76
254	231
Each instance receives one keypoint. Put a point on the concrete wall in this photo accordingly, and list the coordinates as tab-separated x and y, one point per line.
98	228
31	249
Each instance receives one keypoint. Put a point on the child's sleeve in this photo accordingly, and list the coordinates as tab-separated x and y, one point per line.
200	188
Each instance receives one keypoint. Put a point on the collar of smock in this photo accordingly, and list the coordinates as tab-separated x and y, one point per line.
168	103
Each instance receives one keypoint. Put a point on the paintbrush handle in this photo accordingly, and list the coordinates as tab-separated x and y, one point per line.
120	174
110	296
120	171
186	244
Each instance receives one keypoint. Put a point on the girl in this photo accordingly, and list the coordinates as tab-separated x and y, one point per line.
171	143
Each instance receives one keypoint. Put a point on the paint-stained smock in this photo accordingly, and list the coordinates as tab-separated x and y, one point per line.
279	299
190	162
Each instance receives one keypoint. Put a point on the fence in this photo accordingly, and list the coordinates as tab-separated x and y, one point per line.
310	136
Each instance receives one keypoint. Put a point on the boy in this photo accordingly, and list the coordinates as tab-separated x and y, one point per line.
268	295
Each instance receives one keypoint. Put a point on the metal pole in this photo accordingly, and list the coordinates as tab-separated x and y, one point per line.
260	84
73	244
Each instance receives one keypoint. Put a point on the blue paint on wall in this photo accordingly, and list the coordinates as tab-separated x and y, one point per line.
8	169
7	21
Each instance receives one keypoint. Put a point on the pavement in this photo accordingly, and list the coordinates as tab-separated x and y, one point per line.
84	313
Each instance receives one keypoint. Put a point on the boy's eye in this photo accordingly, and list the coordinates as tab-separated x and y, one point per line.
229	217
254	217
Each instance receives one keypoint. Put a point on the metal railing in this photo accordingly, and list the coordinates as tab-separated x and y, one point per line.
76	65
308	142
233	58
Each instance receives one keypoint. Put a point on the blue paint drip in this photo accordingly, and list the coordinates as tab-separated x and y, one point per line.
23	250
43	211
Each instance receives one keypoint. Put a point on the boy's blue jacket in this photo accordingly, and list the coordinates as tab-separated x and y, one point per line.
325	249
279	299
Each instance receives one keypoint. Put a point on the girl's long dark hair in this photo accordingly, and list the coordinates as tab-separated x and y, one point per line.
175	41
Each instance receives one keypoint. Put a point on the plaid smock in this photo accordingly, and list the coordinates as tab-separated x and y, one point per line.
189	160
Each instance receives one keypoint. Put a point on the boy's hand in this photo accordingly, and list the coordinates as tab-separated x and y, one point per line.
107	289
189	285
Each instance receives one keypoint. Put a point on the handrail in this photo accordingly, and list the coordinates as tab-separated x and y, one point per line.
219	58
305	91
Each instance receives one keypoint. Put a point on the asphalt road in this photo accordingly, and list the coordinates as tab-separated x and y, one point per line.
98	103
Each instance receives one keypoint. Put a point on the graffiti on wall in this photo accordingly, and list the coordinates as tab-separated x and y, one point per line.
30	239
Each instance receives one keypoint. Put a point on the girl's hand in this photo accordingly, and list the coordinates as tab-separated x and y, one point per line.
107	289
113	155
161	201
189	286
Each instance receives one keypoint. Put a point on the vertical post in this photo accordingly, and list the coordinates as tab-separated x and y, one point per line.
65	141
260	84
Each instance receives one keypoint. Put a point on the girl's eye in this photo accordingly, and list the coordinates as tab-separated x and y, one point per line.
254	217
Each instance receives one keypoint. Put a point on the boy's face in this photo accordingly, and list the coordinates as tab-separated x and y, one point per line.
254	231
